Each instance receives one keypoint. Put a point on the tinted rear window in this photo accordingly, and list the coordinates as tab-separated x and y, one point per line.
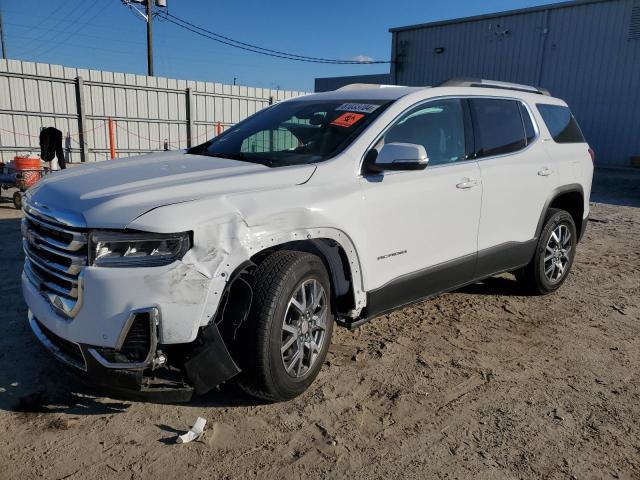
561	124
498	126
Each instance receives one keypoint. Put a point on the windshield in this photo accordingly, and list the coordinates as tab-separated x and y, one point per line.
294	132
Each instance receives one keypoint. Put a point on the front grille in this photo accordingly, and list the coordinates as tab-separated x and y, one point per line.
54	257
67	351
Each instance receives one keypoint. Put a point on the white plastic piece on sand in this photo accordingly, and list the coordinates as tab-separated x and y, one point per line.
194	433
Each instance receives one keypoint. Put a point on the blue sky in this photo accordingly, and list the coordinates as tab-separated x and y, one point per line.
106	35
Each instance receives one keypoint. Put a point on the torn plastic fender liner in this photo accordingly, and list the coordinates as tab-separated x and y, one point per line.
210	363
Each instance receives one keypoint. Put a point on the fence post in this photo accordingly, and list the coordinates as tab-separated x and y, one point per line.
112	143
81	118
67	147
272	147
190	112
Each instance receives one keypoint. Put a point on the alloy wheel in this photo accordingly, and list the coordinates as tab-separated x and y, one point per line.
304	328
557	254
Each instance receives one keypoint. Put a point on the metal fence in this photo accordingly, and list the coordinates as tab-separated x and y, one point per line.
148	113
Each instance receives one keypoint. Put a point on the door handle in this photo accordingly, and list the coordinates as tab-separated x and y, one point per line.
545	172
467	183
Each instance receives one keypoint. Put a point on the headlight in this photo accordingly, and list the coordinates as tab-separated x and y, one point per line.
136	249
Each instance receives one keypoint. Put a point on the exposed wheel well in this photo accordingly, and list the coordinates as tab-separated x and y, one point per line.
573	203
336	262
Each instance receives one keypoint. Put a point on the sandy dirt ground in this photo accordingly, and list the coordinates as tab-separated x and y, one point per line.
482	383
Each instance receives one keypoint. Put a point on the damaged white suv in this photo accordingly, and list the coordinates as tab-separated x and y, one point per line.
170	273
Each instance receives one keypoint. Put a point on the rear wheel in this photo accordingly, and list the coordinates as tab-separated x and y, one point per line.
17	200
554	254
289	329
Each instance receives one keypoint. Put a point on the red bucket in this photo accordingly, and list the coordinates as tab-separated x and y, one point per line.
28	171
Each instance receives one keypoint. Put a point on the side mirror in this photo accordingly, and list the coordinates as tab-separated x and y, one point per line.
398	156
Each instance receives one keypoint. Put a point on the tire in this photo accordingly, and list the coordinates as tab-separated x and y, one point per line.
17	200
269	371
550	266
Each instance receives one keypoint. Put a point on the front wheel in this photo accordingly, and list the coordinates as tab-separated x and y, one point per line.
554	254
286	337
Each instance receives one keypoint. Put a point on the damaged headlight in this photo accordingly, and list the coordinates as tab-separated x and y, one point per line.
136	249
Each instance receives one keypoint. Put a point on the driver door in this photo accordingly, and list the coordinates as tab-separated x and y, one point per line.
422	226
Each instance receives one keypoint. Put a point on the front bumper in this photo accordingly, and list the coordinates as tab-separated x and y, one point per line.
99	321
198	372
110	294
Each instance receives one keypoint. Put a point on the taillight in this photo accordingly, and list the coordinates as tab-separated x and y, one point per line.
592	154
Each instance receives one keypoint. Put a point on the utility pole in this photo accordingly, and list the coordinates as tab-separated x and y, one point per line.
4	48
149	39
148	16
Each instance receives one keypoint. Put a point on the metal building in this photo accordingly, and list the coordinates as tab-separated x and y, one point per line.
586	52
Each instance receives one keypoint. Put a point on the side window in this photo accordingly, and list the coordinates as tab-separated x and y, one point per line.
438	126
561	124
529	130
498	126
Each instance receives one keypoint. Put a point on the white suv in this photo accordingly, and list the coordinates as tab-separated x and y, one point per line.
171	273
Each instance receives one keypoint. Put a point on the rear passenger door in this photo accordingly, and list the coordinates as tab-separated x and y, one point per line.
517	179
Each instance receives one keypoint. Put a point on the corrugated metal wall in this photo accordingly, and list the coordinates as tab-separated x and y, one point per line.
591	62
584	53
146	110
482	49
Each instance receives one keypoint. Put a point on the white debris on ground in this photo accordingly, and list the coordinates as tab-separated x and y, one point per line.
196	431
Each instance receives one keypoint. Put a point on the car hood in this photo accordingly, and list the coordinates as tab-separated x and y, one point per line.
112	193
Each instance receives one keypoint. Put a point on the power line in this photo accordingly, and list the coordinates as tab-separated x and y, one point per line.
47	31
196	51
84	46
42	40
257	49
216	37
78	30
88	35
60	20
249	45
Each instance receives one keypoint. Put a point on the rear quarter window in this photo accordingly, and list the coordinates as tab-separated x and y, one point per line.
561	124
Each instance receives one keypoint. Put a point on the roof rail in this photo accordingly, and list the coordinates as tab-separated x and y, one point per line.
362	86
483	83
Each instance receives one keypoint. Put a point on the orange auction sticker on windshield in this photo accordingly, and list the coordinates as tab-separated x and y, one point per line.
347	119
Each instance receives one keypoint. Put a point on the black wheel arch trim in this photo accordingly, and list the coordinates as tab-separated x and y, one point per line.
557	192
